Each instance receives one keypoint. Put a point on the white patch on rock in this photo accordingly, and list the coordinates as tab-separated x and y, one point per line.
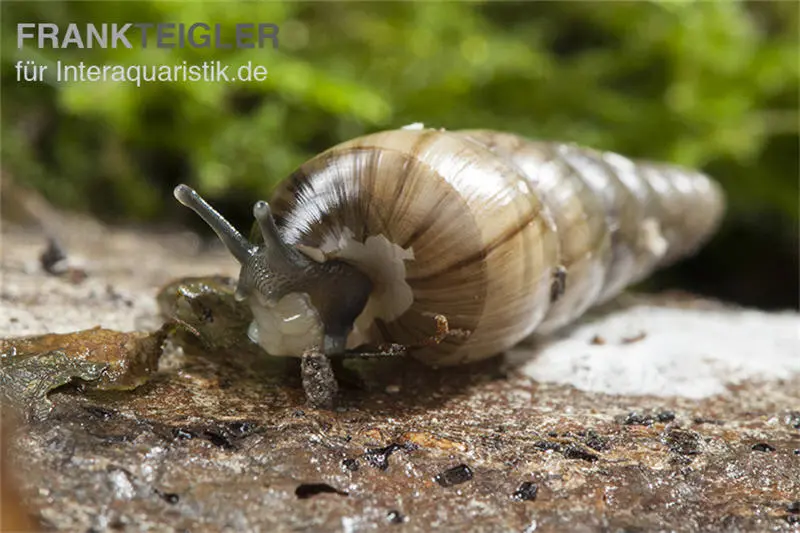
663	351
121	486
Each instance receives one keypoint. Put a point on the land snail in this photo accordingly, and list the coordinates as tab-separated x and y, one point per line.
501	235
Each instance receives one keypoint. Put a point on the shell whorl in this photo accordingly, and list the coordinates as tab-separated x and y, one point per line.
489	218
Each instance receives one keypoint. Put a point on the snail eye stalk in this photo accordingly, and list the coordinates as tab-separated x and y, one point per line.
241	249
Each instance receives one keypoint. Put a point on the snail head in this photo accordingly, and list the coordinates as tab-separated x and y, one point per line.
274	270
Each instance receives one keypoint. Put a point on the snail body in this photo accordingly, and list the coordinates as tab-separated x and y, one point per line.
502	235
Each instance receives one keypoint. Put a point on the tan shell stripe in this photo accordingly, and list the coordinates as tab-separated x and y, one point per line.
478	256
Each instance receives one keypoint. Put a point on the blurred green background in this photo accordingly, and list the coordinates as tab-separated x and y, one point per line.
712	85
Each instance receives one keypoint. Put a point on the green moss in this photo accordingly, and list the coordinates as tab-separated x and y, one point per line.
709	84
691	83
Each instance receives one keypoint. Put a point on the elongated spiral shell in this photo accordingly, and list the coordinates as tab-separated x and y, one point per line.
501	234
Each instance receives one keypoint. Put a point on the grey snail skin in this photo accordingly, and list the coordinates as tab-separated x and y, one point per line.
502	235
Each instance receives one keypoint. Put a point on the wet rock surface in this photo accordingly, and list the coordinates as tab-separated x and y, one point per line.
31	367
218	443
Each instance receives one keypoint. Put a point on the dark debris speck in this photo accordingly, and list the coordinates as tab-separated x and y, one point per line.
665	416
526	492
559	283
711	421
218	439
169	497
576	452
309	490
763	447
379	457
682	442
635	418
240	429
350	464
52	256
569	451
546	445
596	442
222	435
454	476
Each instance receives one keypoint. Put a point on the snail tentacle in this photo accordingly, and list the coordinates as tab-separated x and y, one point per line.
269	230
232	239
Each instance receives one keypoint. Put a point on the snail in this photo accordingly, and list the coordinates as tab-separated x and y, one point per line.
502	235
